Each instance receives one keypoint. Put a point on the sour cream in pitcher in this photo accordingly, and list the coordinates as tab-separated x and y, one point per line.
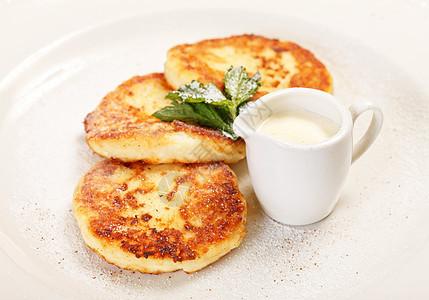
299	126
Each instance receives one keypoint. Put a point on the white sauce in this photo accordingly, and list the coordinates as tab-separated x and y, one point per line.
299	126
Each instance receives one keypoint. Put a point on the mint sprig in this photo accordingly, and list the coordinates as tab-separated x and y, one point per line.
206	105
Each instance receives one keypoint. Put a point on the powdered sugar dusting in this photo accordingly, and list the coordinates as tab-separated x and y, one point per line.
373	225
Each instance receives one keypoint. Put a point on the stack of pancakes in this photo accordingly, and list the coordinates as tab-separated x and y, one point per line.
164	198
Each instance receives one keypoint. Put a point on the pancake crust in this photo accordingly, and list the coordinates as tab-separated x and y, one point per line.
160	218
122	127
282	64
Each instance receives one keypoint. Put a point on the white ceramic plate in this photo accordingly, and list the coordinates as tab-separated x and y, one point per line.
379	224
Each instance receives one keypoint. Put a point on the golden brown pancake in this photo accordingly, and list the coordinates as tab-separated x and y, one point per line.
160	218
122	127
282	64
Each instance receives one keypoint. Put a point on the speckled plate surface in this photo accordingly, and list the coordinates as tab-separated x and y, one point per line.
373	236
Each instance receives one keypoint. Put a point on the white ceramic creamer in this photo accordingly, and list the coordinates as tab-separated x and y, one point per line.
300	183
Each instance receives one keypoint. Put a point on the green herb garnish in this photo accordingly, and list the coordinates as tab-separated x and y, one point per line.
206	105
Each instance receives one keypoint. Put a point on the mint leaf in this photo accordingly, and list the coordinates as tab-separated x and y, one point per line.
198	112
179	111
239	87
197	92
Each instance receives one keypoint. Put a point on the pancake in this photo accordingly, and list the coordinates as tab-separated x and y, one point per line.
160	218
282	64
122	127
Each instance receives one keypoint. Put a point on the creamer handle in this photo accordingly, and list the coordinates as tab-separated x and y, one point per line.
373	130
